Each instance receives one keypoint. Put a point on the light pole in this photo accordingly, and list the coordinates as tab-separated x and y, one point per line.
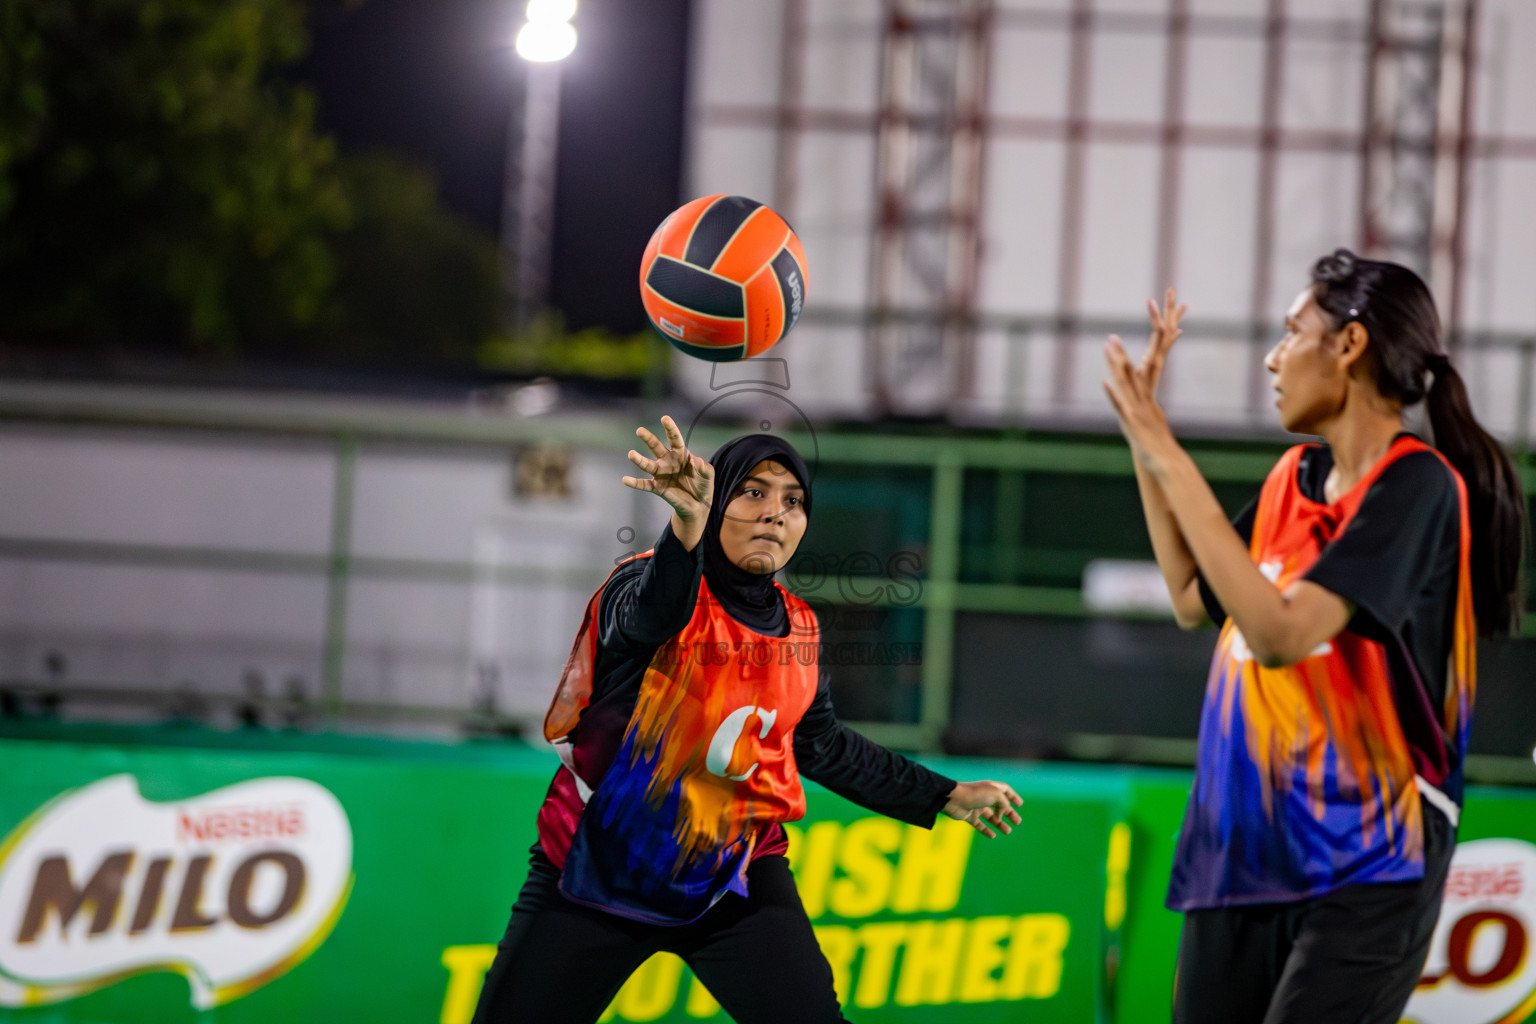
528	196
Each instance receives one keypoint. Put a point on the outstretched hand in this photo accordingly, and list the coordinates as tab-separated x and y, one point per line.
684	480
1132	389
1165	331
984	805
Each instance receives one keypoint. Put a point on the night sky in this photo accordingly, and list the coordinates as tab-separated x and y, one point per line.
433	80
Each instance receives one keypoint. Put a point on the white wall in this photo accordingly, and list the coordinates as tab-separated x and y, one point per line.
736	72
422	642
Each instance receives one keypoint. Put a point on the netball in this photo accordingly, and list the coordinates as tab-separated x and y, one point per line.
723	278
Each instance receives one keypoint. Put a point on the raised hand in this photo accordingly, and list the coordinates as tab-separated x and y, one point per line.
1165	331
984	805
684	480
1132	389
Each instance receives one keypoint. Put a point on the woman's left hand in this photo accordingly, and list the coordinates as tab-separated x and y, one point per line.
984	805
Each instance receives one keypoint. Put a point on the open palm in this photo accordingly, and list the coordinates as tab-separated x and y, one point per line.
684	480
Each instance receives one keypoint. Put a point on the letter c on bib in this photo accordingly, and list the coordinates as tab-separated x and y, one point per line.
723	743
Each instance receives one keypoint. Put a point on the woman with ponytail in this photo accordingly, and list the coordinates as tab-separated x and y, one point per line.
1350	593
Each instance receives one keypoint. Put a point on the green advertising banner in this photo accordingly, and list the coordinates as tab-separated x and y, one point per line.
1482	960
944	925
369	881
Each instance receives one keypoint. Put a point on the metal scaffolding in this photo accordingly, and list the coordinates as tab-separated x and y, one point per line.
935	116
1416	147
930	144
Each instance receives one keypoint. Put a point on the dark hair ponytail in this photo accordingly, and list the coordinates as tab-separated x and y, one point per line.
1398	312
1494	494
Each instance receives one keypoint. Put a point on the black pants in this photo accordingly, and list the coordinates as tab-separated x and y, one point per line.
1352	956
561	963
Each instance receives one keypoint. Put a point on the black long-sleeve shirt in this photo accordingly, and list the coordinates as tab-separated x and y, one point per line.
649	601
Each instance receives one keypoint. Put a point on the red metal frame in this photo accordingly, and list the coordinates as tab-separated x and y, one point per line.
786	164
1073	205
895	125
1170	171
1370	238
1048	129
1464	147
929	176
1265	200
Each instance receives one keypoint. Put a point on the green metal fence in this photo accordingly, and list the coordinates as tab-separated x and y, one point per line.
970	479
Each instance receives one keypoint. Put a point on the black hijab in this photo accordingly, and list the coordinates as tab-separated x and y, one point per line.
750	597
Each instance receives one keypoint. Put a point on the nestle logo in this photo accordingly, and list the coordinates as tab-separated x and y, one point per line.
230	889
239	823
1485	881
1479	970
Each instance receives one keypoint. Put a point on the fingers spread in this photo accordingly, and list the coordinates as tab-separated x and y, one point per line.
1114	354
657	448
1173	312
1119	365
674	436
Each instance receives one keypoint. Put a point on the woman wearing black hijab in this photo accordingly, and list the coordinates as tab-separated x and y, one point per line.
692	703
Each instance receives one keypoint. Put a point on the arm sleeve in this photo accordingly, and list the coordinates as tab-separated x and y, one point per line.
1243	524
650	600
829	752
1408	524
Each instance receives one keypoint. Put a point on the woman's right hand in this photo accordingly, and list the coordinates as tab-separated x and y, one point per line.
684	480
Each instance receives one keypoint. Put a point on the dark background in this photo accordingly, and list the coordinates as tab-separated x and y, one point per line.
434	80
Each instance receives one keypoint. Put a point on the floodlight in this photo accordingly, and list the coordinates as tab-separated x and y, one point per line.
551	10
544	42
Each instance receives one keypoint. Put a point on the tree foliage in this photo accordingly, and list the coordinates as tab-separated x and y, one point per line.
547	347
415	287
161	186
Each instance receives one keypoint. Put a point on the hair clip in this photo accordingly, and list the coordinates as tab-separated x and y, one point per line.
1354	312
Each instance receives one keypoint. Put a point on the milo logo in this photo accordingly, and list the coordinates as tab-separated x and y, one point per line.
1480	970
230	889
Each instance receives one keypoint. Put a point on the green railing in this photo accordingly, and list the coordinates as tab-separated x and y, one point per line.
346	426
